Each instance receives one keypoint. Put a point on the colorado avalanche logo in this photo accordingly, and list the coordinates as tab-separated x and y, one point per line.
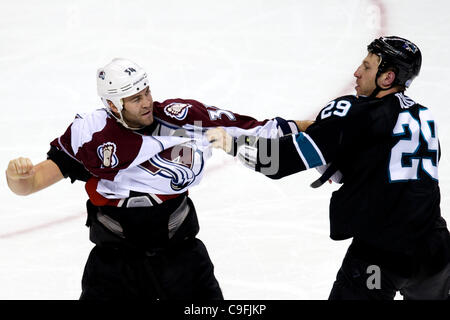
180	164
177	110
107	153
101	75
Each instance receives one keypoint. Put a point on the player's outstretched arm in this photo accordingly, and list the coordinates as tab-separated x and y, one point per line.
303	124
275	158
25	178
220	139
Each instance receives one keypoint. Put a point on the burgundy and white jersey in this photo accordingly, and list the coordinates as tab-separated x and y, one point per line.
195	118
166	158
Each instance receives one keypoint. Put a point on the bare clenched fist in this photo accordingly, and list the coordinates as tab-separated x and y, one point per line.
20	168
25	178
219	138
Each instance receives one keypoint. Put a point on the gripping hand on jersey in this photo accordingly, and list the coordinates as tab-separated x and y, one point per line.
244	147
220	139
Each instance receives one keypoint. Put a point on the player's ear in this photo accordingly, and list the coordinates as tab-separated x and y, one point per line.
112	106
387	79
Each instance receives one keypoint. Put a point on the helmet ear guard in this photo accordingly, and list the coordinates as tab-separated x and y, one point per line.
118	103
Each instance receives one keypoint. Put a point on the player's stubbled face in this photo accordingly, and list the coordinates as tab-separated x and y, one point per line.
365	75
138	109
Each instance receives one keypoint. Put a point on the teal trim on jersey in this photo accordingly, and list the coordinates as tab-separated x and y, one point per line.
308	150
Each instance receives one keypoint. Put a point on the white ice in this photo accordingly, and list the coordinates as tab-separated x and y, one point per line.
265	58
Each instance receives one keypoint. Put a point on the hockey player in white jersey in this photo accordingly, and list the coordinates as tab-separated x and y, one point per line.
138	159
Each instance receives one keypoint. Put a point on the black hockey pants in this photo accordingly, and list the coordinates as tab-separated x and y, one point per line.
183	272
141	261
424	277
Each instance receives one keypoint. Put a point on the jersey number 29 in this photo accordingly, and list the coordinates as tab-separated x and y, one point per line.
410	130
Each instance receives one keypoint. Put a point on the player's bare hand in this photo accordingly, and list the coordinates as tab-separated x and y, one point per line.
219	138
20	168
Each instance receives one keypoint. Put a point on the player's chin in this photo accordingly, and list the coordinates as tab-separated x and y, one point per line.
360	92
147	119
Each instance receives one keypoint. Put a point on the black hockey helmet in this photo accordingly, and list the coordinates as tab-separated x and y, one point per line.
398	54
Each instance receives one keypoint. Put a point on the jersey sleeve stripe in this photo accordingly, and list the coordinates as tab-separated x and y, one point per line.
284	126
308	150
293	127
66	151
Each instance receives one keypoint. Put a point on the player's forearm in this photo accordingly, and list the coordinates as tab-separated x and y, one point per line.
275	158
302	125
23	178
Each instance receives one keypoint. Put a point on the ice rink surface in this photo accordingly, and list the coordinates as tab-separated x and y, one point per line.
267	239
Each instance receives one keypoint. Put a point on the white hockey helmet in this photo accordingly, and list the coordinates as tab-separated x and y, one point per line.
119	79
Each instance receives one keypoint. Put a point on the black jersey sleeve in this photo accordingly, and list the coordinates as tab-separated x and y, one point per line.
69	167
278	158
275	158
344	123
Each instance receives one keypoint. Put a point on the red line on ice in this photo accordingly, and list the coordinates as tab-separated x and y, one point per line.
40	226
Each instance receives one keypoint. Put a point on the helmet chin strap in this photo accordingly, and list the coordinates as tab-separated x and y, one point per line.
121	120
377	87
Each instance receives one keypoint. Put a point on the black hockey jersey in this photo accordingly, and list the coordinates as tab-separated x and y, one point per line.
387	151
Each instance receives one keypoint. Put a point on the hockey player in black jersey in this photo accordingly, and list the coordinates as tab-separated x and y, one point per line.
384	149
